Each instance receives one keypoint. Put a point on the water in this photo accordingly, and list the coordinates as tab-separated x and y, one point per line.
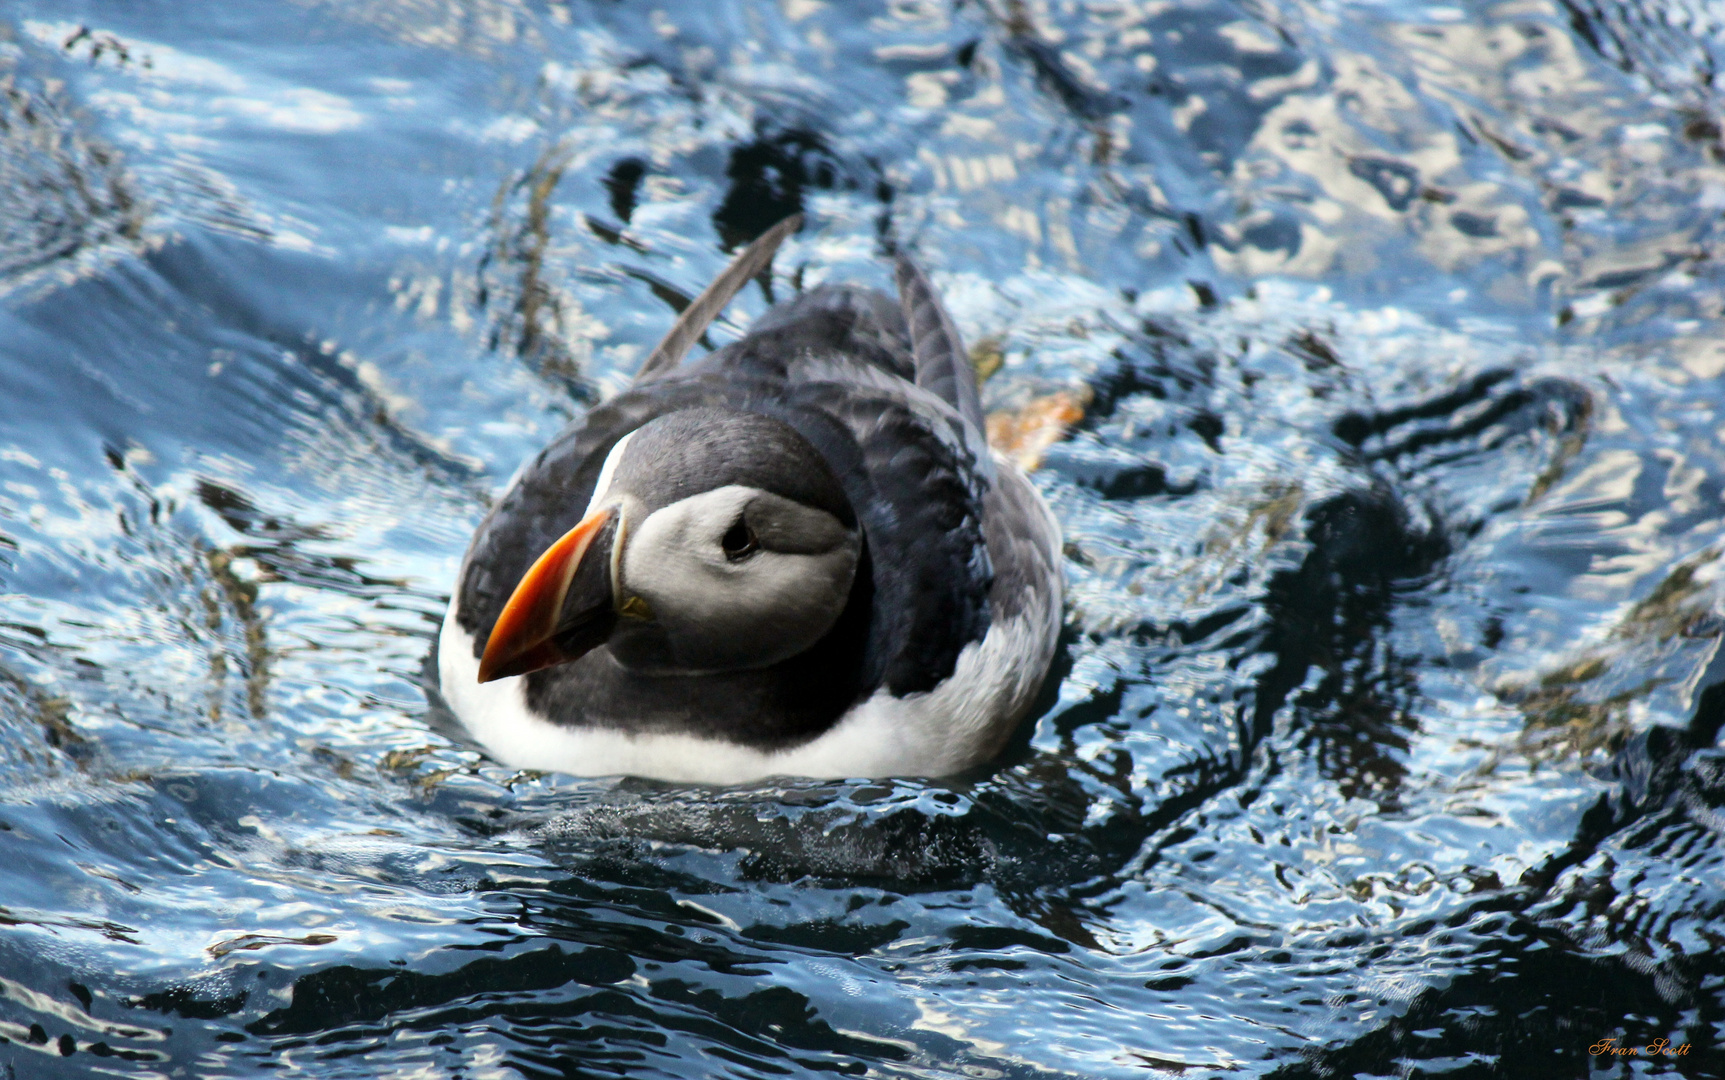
1385	736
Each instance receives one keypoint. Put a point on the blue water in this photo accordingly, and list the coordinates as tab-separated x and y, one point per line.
1385	737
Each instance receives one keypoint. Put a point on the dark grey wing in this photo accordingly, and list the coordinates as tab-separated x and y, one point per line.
695	319
920	498
942	365
1024	545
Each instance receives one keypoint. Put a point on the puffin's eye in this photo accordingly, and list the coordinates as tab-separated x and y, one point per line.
739	542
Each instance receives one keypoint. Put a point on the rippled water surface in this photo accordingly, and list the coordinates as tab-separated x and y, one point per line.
1385	735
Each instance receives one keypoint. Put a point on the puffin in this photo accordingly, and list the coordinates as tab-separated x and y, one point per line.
795	556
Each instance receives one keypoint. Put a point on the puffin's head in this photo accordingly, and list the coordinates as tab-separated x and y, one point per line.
715	541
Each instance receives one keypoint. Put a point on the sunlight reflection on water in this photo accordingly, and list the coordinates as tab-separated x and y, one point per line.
1385	731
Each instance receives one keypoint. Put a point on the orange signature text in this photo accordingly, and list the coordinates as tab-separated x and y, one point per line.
1656	1048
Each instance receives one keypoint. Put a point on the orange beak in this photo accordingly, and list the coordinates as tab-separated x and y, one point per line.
543	624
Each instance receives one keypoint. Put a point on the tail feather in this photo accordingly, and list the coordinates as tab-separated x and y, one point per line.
942	365
701	312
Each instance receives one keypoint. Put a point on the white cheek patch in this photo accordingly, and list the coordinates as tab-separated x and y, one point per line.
718	613
674	554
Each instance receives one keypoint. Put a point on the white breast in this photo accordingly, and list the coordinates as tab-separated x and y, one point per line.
959	723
